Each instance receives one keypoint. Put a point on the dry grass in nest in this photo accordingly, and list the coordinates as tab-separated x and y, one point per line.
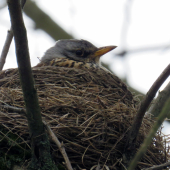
89	111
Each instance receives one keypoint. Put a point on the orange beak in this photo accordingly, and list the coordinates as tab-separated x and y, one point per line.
103	50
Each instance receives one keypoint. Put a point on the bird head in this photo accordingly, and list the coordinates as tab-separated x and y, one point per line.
78	50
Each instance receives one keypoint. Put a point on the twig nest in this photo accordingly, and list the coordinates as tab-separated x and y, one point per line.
90	111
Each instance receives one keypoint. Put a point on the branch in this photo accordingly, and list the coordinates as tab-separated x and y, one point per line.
156	107
7	44
165	111
39	142
126	22
44	22
125	51
6	48
60	146
14	109
131	140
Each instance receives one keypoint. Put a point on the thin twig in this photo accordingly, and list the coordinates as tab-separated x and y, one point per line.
6	48
7	43
60	146
157	166
165	111
130	145
15	109
126	23
143	49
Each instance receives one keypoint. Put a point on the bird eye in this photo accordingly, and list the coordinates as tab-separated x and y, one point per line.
79	52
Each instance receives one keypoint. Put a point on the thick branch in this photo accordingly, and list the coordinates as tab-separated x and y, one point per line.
130	146
39	140
158	104
44	22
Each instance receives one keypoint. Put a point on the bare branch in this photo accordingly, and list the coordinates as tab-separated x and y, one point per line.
130	145
158	104
14	109
41	157
6	48
7	44
126	22
143	49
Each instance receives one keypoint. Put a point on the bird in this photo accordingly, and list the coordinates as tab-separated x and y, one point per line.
74	53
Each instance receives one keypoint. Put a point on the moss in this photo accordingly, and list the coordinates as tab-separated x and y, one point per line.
13	150
16	152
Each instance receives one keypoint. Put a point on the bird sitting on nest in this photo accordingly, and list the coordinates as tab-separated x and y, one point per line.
74	54
90	113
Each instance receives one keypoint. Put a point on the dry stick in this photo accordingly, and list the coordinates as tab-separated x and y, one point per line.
165	111
130	145
14	109
61	148
41	157
7	44
6	48
157	166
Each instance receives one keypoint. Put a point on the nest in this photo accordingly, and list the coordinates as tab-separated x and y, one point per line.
90	111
